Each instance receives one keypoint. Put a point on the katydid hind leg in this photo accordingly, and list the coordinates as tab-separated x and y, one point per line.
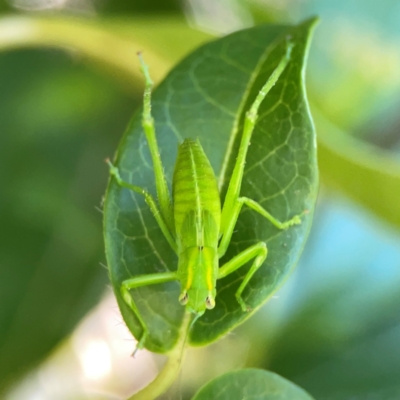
163	194
258	252
140	281
235	183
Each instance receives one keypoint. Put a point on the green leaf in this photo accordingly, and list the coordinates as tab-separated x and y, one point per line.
206	96
251	384
52	146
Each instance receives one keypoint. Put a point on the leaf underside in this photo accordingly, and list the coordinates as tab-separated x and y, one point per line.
206	97
251	384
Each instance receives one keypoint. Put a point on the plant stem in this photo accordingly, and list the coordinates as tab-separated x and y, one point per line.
88	39
171	369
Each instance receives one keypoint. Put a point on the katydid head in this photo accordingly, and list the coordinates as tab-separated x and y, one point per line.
198	267
198	300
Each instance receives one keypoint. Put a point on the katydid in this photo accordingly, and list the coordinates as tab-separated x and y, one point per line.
192	221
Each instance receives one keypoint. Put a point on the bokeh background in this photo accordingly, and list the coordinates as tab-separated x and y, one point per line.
69	83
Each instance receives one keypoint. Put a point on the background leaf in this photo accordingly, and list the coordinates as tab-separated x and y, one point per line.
206	97
365	173
55	132
339	323
254	384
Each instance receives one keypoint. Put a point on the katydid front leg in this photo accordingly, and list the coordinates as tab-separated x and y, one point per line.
258	251
140	281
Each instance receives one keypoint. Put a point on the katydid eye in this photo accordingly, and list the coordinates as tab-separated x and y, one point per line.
210	302
183	298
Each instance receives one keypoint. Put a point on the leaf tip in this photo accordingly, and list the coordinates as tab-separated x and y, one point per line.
312	21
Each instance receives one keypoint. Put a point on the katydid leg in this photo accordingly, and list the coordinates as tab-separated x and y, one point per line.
259	252
149	200
139	281
250	121
163	194
230	225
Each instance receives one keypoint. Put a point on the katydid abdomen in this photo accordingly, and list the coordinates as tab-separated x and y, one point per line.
194	190
197	215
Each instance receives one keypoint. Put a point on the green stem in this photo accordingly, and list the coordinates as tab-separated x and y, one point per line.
89	39
171	369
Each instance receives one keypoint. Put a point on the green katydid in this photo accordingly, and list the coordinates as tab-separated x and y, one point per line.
192	221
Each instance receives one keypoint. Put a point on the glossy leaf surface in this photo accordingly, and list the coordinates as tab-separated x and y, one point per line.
254	384
206	96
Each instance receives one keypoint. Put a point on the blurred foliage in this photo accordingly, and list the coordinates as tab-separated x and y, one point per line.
334	329
337	337
140	7
251	384
59	121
